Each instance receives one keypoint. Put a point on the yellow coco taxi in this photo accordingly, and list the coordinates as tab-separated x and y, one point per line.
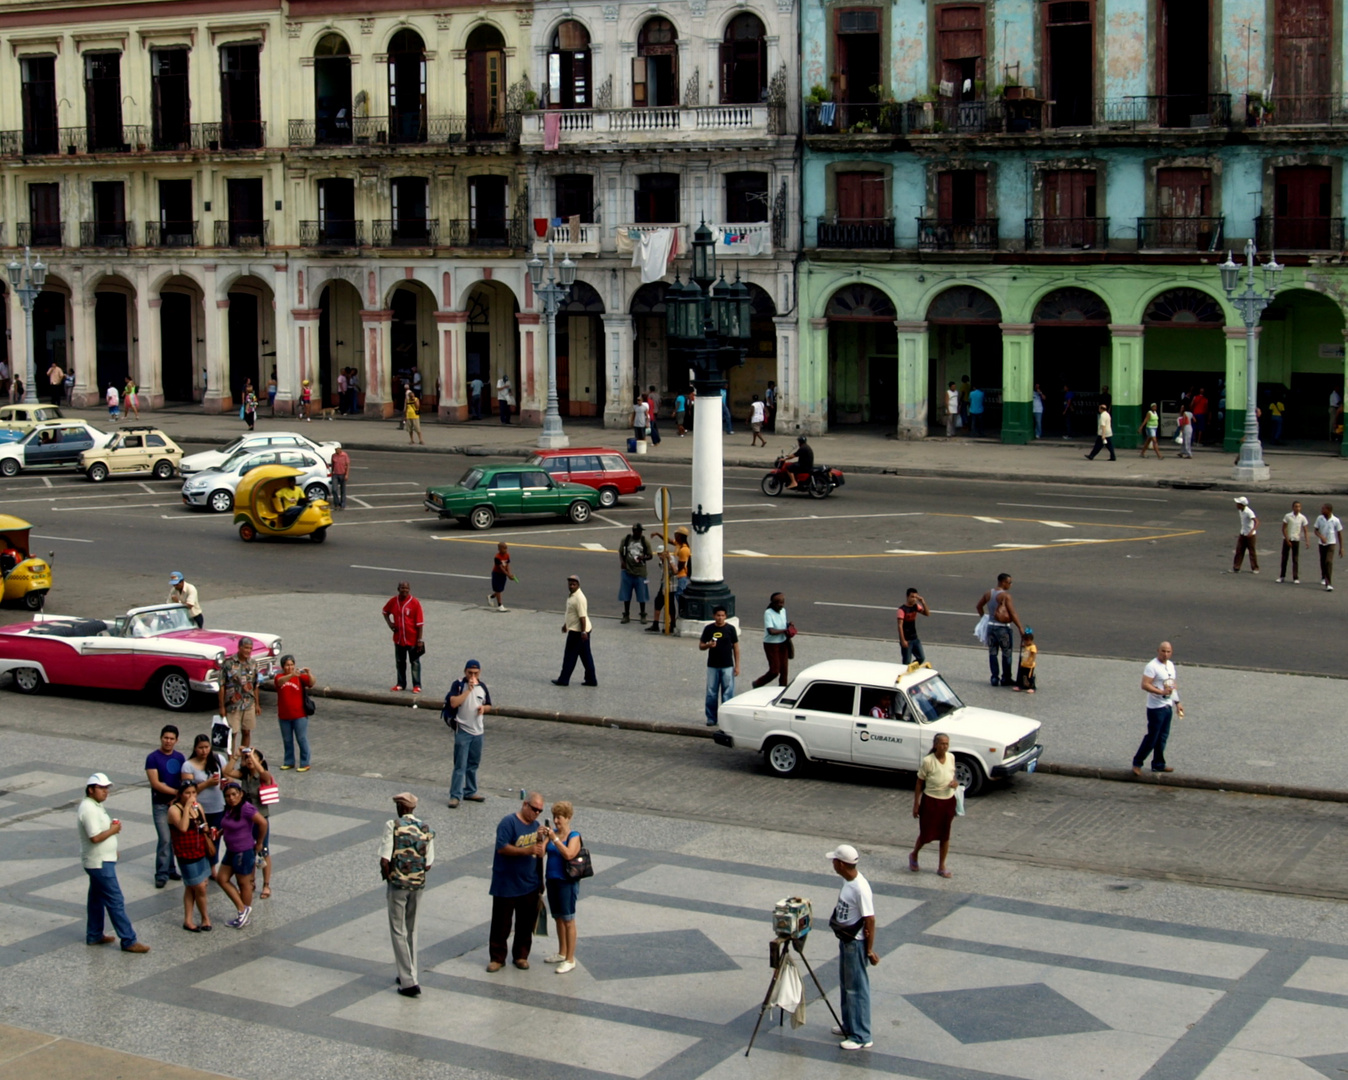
133	451
268	502
26	580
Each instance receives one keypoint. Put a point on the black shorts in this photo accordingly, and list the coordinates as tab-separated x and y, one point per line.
498	581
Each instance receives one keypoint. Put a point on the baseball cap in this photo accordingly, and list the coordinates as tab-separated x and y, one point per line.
844	853
1242	501
472	663
406	798
98	780
176	577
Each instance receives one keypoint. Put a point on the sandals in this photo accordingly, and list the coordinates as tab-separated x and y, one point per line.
265	894
944	873
912	864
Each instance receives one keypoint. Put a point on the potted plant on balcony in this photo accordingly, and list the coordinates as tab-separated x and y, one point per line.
820	110
923	111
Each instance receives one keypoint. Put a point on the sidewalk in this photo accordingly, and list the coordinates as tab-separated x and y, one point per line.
1306	469
1092	709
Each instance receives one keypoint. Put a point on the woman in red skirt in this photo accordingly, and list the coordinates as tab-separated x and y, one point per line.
934	801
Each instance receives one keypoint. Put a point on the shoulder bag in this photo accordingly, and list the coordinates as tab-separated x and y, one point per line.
579	867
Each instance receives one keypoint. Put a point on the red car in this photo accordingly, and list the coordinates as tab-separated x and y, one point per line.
156	649
607	471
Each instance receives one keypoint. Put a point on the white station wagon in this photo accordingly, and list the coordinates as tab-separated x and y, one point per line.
829	713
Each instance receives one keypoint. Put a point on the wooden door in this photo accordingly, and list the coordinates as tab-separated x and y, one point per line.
486	92
961	196
1301	72
1069	208
861	196
1301	203
960	41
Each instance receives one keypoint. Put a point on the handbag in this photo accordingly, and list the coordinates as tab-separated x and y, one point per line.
309	707
269	794
790	630
580	867
790	649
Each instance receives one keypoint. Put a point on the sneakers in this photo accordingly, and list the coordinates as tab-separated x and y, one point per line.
555	958
1296	581
303	768
852	1044
565	966
286	768
491	600
501	607
1329	588
395	689
1280	581
416	689
241	920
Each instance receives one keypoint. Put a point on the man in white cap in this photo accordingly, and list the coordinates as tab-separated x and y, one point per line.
98	854
405	854
853	922
182	591
1249	529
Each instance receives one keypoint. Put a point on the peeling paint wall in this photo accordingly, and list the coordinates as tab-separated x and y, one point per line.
1246	43
1013	28
1126	59
908	50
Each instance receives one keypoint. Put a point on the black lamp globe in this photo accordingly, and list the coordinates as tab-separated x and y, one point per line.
743	303
704	256
673	303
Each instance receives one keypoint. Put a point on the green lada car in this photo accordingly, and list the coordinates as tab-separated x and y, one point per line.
486	492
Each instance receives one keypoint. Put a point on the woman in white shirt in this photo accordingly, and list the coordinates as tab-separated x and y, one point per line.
934	802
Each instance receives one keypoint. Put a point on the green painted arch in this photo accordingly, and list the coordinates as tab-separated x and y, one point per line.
928	296
819	300
1318	298
1087	284
1210	291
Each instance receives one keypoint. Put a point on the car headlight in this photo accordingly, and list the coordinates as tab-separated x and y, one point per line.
276	649
195	485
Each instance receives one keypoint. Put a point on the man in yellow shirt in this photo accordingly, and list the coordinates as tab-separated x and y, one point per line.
413	418
680	557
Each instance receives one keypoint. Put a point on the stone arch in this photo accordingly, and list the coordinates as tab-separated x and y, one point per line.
965	342
1074	305
491	336
744	75
332	90
414	342
860	301
1183	305
53	320
407	83
862	354
182	334
1072	349
580	352
250	331
115	329
341	335
1292	330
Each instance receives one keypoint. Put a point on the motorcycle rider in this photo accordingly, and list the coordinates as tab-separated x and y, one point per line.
804	459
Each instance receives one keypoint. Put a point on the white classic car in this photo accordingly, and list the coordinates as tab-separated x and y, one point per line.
860	712
211	460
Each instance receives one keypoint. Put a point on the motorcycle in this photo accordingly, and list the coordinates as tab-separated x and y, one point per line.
818	483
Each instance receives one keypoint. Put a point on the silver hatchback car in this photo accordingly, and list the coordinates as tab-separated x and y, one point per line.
214	490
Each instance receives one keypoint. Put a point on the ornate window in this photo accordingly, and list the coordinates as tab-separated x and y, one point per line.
1072	306
964	305
861	303
1184	307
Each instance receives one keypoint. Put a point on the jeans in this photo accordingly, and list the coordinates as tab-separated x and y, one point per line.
292	732
467	757
1158	731
1327	563
1293	548
1038	425
975	423
504	406
106	894
726	422
402	654
163	860
720	687
913	650
475	407
339	490
655	431
999	639
855	984
577	648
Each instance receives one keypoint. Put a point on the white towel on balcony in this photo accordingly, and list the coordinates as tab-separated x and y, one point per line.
651	252
758	241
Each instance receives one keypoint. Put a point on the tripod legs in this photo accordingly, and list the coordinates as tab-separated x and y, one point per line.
772	985
776	975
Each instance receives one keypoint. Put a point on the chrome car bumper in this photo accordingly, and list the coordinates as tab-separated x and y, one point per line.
436	508
205	686
195	498
1026	762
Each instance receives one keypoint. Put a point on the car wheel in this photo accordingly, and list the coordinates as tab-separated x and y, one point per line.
319	535
785	757
772	484
27	680
968	773
163	470
608	496
818	487
172	689
34	600
9	467
247	532
220	502
98	472
579	512
482	517
315	492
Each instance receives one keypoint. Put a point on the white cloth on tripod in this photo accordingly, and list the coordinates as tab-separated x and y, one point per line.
789	993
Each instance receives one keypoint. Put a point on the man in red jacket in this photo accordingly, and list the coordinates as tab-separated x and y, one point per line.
404	617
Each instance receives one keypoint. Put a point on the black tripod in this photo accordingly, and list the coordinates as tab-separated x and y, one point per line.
785	944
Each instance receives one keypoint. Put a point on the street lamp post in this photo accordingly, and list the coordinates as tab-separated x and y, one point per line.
553	294
1251	304
708	330
27	281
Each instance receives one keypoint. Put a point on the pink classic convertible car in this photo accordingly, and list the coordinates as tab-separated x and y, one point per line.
157	649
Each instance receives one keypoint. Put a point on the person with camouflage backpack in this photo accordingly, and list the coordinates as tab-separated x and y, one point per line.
405	854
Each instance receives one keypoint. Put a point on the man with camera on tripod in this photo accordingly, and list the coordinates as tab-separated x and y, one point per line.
853	923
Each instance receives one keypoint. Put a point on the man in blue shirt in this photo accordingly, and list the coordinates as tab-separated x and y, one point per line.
163	768
975	412
516	883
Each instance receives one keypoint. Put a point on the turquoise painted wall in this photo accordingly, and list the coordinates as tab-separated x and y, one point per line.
1124	63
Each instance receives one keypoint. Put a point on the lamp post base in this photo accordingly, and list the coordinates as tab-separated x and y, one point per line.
1250	473
553	440
702	597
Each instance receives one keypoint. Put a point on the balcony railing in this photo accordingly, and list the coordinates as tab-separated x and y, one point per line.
1180	234
107	234
855	235
939	234
501	233
628	235
584	239
407	232
1052	233
332	232
235	135
171	234
842	118
1277	233
740	240
590	125
180	138
383	131
243	234
40	234
1283	109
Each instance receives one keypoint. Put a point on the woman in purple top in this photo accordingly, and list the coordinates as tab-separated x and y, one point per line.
244	831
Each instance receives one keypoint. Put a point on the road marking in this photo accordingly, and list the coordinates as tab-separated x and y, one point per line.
68	539
1078	540
594	547
890	607
47	480
147	489
748	553
990	521
1057	524
1018	545
129	506
1111	498
907	551
618	524
1041	506
363	504
425	573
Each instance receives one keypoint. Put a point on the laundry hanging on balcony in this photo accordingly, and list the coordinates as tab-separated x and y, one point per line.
652	250
827	111
552	130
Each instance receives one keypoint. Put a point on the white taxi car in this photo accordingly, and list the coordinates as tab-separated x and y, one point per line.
860	712
208	460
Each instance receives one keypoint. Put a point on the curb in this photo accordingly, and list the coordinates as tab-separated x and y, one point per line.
1088	772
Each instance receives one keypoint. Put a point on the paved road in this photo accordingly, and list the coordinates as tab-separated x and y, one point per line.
1099	571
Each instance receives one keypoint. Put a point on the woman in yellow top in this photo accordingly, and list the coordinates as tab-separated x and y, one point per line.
934	802
1151	423
413	418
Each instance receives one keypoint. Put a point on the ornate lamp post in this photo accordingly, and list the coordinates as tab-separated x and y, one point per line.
553	294
1250	304
708	330
27	281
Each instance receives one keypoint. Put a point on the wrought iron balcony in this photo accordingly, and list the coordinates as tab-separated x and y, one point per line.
365	131
853	118
1180	234
835	232
406	232
942	234
178	138
501	233
107	234
1278	233
243	234
1058	233
171	234
1292	109
40	234
332	232
235	135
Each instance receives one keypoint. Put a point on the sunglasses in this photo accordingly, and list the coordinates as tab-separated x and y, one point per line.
535	809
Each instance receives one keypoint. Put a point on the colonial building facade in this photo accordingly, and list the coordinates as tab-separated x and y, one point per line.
1038	192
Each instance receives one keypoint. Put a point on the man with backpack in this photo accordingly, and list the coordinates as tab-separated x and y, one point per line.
405	854
466	703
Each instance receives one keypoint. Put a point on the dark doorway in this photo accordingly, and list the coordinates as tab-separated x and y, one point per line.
655	68
487	211
569	67
857	56
960	41
746	197
332	91
109	198
410	224
240	97
1070	33
110	338
1302	86
1069	209
245	212
403	335
657	199
1301	204
337	212
103	100
177	226
575	196
39	104
44	215
1184	61
177	346
172	104
486	72
49	331
407	88
243	343
744	63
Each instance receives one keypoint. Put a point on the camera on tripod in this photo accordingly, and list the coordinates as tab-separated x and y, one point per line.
791	918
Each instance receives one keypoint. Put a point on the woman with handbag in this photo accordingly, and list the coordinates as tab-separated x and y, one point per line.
245	834
777	645
250	770
934	802
204	766
294	706
194	845
563	882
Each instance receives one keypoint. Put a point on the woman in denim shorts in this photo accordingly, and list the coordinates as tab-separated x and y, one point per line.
245	833
193	844
563	892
